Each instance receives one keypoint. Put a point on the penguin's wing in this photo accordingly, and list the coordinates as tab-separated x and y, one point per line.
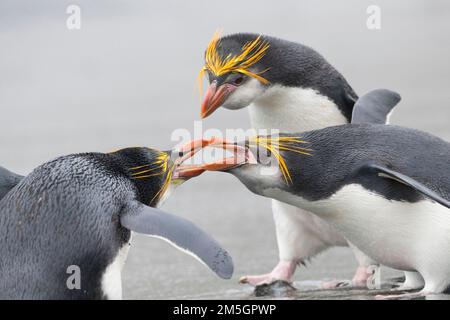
8	180
375	106
179	232
384	172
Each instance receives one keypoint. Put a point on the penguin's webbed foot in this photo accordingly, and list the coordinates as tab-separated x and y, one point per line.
362	276
283	271
257	280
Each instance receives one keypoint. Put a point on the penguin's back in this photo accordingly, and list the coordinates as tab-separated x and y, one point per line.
65	213
292	64
339	152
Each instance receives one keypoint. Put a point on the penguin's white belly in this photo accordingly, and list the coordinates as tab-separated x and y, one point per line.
112	277
294	110
401	235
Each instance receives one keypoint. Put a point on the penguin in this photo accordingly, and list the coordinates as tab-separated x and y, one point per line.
78	212
288	87
385	188
8	180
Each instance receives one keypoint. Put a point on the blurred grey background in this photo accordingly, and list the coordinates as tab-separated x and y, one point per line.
127	78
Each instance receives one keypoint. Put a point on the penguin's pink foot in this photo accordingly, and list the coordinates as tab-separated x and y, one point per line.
409	295
257	279
283	271
360	279
362	276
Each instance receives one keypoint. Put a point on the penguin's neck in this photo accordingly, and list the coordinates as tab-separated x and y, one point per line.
293	109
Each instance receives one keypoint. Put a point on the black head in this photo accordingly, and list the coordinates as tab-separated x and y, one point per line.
150	170
153	171
271	62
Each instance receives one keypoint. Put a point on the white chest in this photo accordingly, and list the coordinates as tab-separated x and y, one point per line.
398	234
294	110
112	277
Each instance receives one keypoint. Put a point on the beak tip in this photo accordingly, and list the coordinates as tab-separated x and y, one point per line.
213	99
205	111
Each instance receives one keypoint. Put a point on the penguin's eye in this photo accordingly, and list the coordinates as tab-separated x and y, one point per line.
263	156
238	80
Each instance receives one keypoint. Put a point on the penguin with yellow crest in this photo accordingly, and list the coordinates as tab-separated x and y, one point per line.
80	210
385	188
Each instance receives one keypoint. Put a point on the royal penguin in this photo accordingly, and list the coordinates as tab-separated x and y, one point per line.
289	87
385	188
78	213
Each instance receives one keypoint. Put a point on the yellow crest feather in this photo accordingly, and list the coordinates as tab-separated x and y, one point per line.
277	144
158	167
251	53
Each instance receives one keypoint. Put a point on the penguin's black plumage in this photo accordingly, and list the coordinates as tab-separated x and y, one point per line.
8	180
415	163
79	210
357	153
293	64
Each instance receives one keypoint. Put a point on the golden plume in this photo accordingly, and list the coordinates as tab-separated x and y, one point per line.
251	53
158	167
276	144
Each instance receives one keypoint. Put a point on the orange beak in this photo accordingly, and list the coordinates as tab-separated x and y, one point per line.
186	152
241	155
215	97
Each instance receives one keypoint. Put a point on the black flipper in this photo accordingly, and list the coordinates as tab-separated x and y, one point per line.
179	232
375	106
8	180
399	177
